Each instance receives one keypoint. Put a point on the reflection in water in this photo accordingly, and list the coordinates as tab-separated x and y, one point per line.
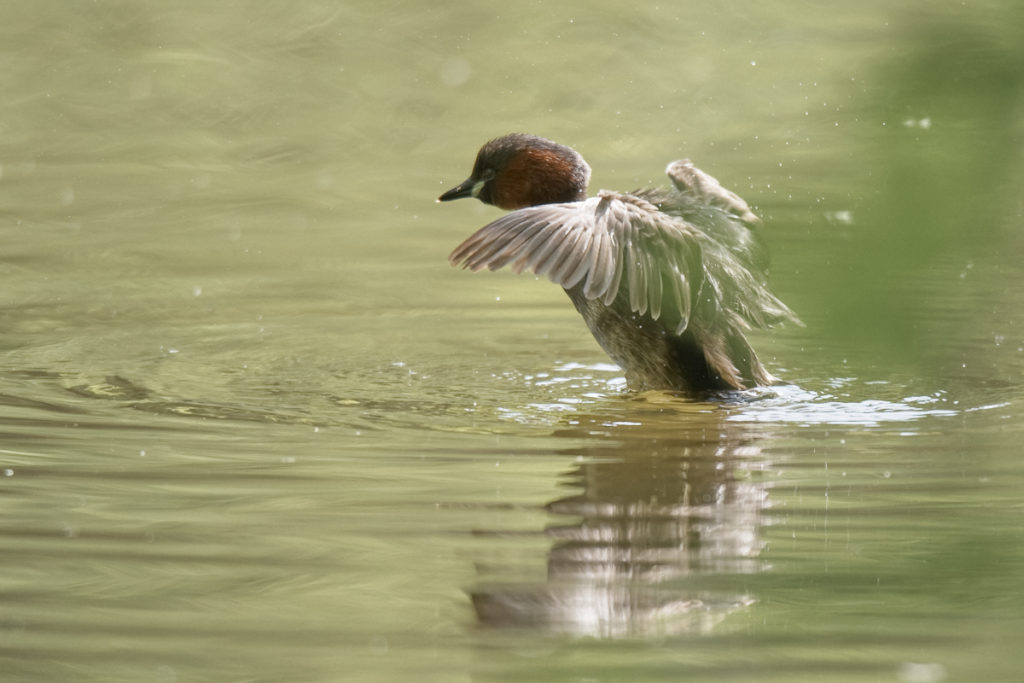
663	505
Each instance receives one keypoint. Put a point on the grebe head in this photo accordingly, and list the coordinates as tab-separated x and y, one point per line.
519	170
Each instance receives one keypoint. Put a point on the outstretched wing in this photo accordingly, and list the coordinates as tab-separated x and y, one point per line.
610	245
703	188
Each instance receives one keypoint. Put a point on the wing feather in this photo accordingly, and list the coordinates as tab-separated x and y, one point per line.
547	254
574	263
654	287
612	245
515	246
545	235
601	269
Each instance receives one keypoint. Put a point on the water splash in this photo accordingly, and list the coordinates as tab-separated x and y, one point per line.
790	404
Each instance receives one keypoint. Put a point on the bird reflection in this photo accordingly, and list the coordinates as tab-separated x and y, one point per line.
662	509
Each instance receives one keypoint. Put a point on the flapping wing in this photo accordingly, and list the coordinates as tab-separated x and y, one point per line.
611	245
703	188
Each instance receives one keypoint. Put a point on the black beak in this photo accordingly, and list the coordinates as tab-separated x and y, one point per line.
460	191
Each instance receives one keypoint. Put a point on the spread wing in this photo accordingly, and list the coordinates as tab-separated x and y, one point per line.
611	245
699	187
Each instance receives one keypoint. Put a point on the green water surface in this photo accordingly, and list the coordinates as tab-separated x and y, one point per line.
254	428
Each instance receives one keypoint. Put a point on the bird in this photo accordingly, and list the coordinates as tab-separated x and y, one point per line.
668	280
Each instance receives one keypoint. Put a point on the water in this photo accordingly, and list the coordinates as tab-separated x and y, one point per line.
253	427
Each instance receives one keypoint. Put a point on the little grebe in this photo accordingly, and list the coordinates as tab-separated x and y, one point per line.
667	280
